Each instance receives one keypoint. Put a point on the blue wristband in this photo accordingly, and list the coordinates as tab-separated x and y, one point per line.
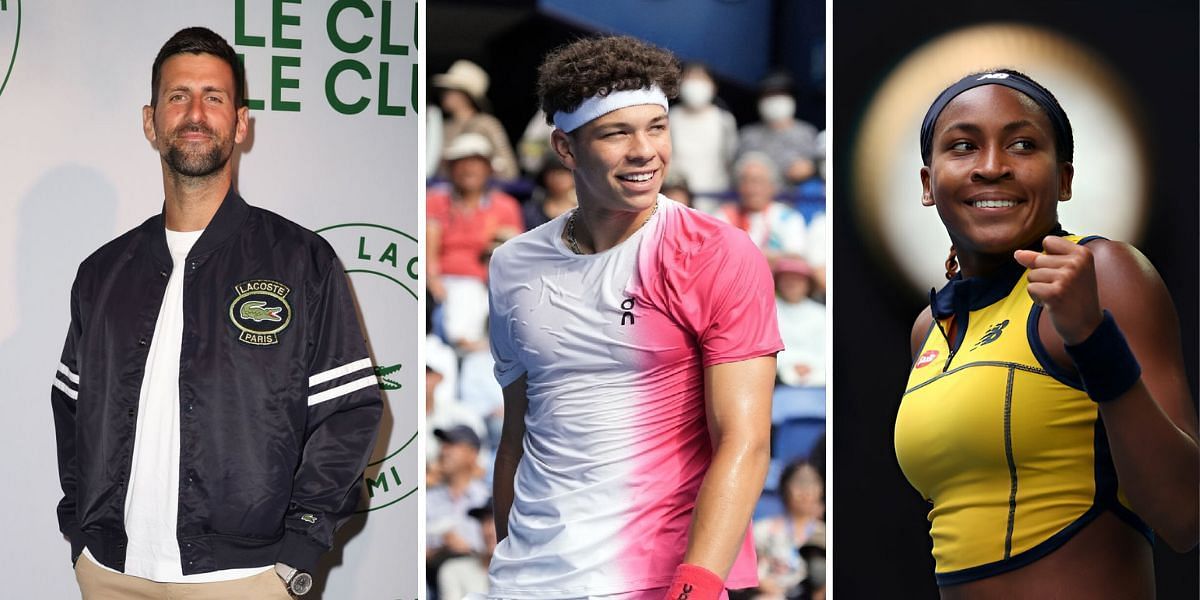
1106	365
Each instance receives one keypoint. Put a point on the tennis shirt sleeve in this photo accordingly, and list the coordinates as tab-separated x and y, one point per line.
727	299
508	367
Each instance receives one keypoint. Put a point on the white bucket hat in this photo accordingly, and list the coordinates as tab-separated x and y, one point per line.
468	144
467	77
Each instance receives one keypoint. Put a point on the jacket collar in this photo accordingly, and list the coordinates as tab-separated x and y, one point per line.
960	296
230	216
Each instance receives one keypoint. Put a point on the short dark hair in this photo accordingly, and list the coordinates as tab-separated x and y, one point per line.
599	65
200	40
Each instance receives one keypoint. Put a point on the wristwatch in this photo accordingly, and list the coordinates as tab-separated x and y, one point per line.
298	582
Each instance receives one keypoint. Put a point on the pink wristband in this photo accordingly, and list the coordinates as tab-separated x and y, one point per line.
695	583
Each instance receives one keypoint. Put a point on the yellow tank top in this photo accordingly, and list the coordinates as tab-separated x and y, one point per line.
1006	446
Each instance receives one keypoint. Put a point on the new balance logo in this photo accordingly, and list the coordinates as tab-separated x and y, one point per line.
993	333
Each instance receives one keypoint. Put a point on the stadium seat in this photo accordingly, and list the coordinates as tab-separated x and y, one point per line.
769	505
794	438
795	402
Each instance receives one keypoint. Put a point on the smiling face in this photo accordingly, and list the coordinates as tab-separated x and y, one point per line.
993	174
619	159
195	122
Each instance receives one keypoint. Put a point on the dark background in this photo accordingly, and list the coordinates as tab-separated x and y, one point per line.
881	543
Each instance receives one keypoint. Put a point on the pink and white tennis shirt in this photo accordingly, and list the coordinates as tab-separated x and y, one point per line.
616	444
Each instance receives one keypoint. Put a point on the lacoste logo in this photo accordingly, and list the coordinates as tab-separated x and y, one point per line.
385	383
627	306
308	518
925	358
258	311
993	334
992	76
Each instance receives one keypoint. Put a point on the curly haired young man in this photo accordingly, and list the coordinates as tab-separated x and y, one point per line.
635	340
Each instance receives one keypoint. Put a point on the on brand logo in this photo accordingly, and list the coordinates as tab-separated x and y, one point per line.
627	306
687	590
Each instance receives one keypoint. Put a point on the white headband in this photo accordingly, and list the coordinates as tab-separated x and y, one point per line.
598	106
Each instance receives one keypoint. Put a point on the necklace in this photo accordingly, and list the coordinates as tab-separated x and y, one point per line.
573	244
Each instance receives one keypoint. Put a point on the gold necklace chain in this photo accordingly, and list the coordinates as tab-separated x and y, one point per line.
573	244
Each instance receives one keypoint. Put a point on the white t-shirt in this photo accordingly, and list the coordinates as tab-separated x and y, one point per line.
152	496
616	445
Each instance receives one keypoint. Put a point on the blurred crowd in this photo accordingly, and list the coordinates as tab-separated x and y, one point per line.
765	177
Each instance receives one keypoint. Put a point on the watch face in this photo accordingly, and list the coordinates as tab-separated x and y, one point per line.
301	584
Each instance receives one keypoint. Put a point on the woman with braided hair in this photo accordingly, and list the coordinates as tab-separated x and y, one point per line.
1047	416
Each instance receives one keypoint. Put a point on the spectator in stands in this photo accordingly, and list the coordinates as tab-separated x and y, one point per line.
703	135
819	146
464	222
442	407
775	227
676	188
801	325
449	530
533	149
433	140
554	195
812	552
468	574
464	101
790	142
778	540
814	254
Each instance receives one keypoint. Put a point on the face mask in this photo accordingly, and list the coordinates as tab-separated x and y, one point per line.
696	93
776	108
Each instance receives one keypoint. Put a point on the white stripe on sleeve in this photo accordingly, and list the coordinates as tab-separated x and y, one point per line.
334	373
58	383
65	370
343	389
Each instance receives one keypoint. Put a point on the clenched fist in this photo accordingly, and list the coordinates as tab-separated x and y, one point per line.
1063	280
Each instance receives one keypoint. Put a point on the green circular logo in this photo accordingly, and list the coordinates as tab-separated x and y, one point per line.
381	262
10	38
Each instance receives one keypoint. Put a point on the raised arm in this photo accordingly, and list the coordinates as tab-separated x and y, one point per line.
508	454
1150	420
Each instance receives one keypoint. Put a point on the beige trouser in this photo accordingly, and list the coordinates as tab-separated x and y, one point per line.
96	583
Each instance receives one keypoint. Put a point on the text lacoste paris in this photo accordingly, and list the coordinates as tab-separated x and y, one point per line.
260	311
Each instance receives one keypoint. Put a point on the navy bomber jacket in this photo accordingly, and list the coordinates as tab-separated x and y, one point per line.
279	403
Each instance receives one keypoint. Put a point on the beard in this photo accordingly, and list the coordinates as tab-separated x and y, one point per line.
196	160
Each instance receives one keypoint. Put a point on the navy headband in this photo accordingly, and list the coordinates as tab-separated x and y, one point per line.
1064	141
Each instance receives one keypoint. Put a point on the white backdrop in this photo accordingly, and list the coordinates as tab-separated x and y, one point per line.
328	149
